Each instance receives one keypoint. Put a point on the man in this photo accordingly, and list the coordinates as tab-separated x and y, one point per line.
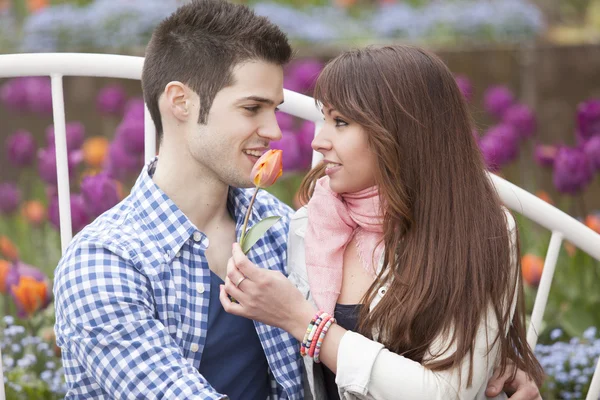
137	309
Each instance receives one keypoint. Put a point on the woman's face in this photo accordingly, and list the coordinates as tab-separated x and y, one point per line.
350	164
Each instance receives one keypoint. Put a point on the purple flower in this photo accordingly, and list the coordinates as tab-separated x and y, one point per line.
592	151
100	193
47	164
521	117
27	302
120	164
131	133
465	86
10	197
302	74
13	95
544	155
39	94
20	148
75	135
79	214
111	100
497	99
499	146
572	170
284	120
134	109
305	136
291	152
588	119
19	269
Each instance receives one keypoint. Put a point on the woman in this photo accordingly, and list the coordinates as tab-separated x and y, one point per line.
404	243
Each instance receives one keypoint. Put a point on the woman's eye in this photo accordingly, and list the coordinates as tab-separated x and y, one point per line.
252	109
340	122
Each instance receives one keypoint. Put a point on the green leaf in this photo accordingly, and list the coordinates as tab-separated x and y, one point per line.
257	231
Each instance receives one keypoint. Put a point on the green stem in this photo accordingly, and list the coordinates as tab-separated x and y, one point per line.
6	299
248	211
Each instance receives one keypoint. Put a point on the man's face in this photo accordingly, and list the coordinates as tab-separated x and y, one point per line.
241	123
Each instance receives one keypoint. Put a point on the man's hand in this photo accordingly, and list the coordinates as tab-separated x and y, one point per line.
520	388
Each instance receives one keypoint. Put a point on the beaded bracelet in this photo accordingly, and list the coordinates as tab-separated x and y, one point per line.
313	344
312	336
320	340
303	347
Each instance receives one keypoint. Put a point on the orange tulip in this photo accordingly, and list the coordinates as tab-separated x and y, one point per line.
8	248
34	212
544	196
531	268
345	3
570	248
268	168
95	150
36	5
4	268
30	295
593	222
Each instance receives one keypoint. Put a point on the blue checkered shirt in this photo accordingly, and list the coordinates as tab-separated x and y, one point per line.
132	293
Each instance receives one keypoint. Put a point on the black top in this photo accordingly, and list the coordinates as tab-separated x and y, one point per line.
346	316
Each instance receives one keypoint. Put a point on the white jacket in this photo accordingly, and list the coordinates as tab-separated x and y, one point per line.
366	370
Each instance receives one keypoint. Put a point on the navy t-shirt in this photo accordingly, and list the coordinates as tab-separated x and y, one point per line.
346	316
233	360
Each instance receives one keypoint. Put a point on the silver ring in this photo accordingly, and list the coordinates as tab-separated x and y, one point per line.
237	285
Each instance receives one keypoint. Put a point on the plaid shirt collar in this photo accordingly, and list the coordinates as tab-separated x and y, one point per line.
167	223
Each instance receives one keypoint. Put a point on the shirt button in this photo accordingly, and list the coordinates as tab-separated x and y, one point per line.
194	347
197	236
200	288
178	254
382	290
167	258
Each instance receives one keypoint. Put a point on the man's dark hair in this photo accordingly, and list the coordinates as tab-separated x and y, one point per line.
200	43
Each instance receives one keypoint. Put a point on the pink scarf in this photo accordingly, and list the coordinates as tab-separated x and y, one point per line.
333	220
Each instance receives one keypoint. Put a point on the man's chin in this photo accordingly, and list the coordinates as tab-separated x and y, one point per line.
242	184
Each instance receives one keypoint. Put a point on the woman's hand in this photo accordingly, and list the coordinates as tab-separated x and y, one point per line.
521	387
264	295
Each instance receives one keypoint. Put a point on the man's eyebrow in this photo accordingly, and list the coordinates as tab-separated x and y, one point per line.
259	99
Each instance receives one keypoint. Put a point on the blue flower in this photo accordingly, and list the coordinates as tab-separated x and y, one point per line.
590	333
555	334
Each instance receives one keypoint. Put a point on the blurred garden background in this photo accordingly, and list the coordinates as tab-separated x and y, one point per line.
530	70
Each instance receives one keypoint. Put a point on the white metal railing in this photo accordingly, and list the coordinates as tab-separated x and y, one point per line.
58	65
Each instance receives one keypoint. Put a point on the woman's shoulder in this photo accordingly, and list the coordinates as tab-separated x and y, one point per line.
298	222
296	264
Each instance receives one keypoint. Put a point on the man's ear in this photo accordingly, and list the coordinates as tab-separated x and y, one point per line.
178	100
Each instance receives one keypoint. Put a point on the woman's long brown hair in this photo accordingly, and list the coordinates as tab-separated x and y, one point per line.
447	244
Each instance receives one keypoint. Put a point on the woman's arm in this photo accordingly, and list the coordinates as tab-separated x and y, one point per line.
269	297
